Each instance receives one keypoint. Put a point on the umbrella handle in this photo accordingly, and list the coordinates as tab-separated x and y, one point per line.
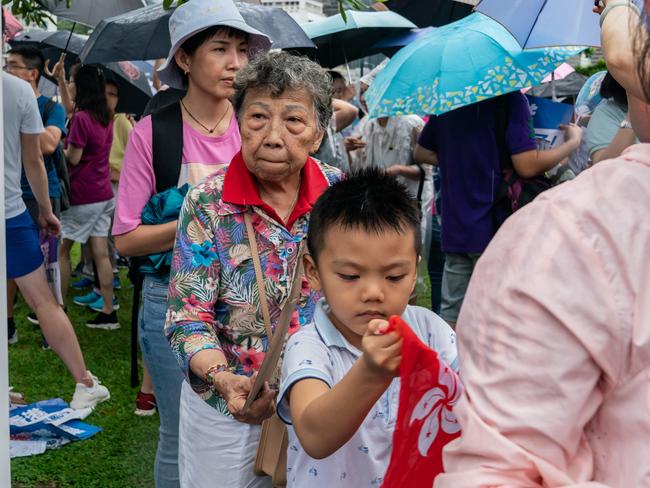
65	49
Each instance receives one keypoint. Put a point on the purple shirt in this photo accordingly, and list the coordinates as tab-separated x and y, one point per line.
470	171
90	180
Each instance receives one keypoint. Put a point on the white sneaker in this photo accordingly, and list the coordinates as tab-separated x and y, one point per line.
88	397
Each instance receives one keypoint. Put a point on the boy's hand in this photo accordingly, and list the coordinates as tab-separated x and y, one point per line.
382	353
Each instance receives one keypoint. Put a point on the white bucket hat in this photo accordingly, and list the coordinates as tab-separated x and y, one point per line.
197	15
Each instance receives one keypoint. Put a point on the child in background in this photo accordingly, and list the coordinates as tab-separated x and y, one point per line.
339	392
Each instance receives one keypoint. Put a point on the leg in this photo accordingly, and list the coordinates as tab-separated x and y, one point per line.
12	290
147	382
165	375
64	264
457	273
54	323
99	248
435	265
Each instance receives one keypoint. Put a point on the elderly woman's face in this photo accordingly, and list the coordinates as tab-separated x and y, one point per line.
278	133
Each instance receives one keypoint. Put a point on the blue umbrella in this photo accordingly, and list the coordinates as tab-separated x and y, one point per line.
339	41
543	23
462	63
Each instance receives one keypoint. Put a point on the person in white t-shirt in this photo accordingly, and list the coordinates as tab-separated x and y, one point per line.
22	127
339	392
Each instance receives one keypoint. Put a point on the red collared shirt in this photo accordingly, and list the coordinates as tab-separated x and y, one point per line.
240	188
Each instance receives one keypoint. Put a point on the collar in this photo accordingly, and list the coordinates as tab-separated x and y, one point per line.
328	332
240	188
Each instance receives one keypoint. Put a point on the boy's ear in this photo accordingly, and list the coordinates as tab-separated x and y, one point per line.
311	272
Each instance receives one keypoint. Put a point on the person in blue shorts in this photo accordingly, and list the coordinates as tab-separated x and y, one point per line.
22	129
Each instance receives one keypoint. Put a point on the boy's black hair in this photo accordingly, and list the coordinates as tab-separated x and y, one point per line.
32	57
368	199
610	88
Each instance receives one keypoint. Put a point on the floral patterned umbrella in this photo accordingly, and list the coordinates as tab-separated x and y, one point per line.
462	63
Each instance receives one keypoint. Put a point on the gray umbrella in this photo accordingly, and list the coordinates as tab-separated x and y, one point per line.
90	12
144	33
566	87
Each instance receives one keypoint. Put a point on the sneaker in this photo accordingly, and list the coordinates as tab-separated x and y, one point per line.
32	318
88	397
78	269
122	262
104	321
82	283
145	404
11	330
116	282
87	299
98	305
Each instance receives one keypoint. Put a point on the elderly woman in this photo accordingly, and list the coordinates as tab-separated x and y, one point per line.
215	324
554	345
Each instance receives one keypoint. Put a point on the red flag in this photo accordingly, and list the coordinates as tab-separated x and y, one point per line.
429	389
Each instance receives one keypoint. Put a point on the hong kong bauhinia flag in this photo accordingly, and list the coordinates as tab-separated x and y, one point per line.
425	421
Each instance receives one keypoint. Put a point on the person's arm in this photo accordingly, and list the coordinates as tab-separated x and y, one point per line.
311	400
49	140
623	139
73	154
37	177
425	156
58	73
617	37
146	239
191	324
344	113
529	164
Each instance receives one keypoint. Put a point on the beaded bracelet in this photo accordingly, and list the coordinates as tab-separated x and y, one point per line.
215	369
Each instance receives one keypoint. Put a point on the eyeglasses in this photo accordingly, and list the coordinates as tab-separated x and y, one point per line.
13	67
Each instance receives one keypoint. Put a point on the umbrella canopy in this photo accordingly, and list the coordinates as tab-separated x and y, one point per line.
462	63
390	45
568	86
339	41
144	33
543	23
589	96
132	82
432	12
12	24
90	12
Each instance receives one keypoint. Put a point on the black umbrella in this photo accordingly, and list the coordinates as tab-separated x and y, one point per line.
144	33
435	13
568	86
132	82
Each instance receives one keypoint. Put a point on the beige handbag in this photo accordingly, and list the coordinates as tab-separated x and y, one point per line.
271	458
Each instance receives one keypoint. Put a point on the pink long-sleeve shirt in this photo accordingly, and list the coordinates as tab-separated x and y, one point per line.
554	341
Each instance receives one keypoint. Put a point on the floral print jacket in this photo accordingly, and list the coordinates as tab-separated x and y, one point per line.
213	300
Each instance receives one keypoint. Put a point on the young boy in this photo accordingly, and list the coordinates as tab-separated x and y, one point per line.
338	390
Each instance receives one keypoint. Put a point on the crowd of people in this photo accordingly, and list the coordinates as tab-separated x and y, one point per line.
291	209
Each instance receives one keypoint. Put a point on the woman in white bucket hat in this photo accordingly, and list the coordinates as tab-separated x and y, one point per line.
210	44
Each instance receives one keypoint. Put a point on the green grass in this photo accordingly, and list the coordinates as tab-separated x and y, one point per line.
122	455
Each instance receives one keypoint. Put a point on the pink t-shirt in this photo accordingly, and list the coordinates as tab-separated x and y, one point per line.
201	156
90	180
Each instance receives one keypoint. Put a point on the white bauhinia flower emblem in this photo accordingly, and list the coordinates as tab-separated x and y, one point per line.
435	407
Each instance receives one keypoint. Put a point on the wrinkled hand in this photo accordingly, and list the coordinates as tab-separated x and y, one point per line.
382	353
48	222
58	71
572	133
235	388
353	143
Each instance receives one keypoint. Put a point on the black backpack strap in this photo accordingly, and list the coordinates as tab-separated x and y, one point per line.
167	144
167	153
47	110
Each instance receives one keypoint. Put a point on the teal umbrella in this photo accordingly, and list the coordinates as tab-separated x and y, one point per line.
339	41
461	63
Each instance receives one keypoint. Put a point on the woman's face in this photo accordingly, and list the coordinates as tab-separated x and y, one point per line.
214	64
278	133
112	96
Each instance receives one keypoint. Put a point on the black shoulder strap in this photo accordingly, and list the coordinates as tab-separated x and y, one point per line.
167	144
47	110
